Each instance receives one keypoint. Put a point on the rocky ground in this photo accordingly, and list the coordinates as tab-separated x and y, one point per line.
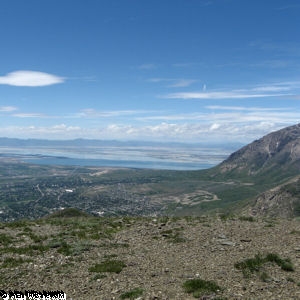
156	257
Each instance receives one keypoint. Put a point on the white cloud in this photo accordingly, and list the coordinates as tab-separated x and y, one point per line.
215	126
271	88
93	113
8	108
259	91
30	79
235	94
215	130
230	115
216	123
29	115
244	108
60	131
182	83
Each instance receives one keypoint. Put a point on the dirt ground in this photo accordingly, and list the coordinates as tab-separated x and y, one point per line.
158	256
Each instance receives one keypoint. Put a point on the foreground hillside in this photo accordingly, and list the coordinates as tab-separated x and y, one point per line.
152	258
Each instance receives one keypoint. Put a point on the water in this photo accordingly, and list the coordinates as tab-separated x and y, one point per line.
166	165
171	158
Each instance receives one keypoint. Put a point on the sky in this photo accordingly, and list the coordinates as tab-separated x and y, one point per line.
197	71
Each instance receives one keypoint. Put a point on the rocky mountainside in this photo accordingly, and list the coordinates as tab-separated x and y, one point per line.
281	201
276	154
271	166
152	258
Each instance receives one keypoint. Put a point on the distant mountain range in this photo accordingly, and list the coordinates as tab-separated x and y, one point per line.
15	142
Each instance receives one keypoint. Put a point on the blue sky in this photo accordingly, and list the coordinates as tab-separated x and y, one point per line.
167	70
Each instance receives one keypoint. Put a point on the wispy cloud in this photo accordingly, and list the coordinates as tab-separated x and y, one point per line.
30	115
8	108
174	82
229	114
30	79
260	91
243	108
271	88
93	113
219	95
182	83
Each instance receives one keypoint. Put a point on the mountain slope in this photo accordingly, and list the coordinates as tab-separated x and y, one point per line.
275	156
281	201
262	176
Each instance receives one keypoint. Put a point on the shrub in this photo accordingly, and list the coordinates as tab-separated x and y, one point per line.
199	287
113	266
285	264
250	265
255	264
133	294
247	218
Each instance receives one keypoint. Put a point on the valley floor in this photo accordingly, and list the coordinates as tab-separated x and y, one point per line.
155	256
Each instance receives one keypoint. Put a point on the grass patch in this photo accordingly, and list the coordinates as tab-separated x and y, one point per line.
18	224
252	265
69	212
29	250
199	287
65	249
173	235
37	238
269	225
290	279
70	249
133	294
87	227
247	218
285	264
10	262
5	239
226	216
114	245
112	266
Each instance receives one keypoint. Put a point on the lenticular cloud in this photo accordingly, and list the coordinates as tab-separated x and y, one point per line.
30	78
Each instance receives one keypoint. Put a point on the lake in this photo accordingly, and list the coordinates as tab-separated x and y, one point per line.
154	157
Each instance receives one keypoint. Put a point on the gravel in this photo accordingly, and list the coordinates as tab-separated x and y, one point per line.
160	254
